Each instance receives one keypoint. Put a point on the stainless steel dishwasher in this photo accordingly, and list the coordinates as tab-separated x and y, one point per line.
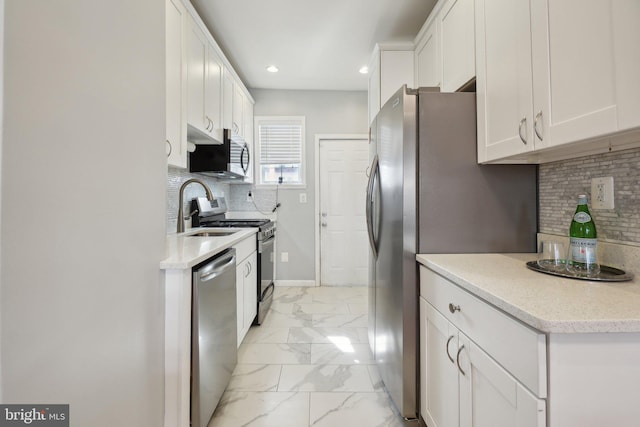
213	334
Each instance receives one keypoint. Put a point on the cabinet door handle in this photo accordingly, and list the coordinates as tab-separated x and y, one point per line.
522	122
453	308
458	359
447	349
170	148
535	125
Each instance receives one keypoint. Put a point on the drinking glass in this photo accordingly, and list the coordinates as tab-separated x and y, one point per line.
552	255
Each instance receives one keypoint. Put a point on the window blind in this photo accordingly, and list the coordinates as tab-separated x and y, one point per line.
280	143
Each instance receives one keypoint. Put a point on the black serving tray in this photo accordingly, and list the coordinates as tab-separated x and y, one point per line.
607	274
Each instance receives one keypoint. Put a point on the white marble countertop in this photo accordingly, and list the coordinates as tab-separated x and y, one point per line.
548	303
184	250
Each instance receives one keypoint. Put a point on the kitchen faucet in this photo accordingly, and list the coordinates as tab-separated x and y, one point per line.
180	201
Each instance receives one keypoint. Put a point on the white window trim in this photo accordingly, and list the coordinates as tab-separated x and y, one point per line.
303	153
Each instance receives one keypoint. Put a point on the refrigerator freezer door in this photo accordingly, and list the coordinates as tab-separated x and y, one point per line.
395	292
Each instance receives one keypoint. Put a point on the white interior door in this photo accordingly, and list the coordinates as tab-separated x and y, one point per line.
344	255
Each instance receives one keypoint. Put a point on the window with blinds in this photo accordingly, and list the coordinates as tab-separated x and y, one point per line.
280	150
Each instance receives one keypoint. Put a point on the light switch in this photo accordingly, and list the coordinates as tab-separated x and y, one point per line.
303	197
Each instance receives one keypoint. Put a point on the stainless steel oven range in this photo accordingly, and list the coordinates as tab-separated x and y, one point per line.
212	214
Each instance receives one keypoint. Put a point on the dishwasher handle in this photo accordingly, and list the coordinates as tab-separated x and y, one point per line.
218	266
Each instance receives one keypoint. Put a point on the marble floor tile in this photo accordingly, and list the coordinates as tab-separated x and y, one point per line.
359	308
320	308
309	363
347	409
255	378
341	353
327	335
339	320
376	380
264	334
268	409
291	295
279	318
339	294
274	354
325	378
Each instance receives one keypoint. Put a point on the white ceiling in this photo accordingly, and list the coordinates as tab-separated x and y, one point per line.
316	44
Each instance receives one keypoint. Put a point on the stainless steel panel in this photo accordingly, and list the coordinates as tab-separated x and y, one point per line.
466	207
214	334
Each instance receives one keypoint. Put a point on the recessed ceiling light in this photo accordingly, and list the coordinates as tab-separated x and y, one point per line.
364	70
272	69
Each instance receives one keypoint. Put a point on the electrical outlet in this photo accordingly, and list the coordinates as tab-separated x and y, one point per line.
602	193
284	256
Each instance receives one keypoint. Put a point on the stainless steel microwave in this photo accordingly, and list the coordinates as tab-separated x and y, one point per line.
231	160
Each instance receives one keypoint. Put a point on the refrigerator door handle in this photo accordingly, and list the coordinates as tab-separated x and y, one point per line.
373	179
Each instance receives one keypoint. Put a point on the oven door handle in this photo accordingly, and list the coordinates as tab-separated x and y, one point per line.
266	243
267	292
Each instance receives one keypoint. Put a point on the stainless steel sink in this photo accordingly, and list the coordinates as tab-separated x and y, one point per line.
213	233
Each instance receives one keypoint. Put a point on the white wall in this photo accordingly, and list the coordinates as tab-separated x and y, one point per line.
1	134
326	112
83	209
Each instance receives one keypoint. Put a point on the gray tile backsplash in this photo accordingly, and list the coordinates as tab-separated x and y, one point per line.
235	194
559	186
561	182
175	179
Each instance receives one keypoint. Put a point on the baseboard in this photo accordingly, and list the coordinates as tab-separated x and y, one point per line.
301	283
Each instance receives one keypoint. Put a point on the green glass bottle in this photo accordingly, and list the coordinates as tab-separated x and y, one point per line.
583	242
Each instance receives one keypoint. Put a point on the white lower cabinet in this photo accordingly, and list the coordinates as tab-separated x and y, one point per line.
246	285
464	380
490	396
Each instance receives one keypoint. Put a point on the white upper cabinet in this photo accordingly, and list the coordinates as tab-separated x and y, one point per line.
390	68
573	70
213	90
196	72
227	99
237	123
427	55
210	83
626	34
504	76
176	83
457	38
556	79
204	83
445	47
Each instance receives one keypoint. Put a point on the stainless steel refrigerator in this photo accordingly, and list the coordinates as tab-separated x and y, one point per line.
427	194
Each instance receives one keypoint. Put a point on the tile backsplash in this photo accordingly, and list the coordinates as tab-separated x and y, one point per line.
175	178
264	200
561	182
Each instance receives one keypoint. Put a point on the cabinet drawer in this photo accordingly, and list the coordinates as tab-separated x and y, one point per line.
520	349
245	248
